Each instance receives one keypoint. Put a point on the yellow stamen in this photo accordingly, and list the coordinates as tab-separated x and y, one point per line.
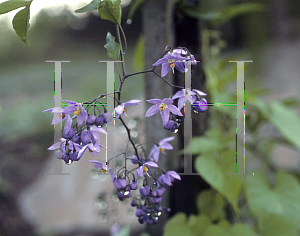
104	171
124	109
145	169
77	112
172	63
161	149
162	107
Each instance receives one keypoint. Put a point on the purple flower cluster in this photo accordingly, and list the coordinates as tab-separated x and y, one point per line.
81	133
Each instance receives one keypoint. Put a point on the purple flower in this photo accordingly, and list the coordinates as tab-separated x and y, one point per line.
200	106
186	95
168	178
98	164
145	191
162	145
68	150
59	115
164	107
121	108
142	170
171	60
90	139
184	53
77	109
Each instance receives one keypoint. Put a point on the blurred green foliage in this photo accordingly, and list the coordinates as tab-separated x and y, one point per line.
266	203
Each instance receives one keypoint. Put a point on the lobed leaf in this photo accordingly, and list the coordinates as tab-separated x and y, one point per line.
110	10
113	48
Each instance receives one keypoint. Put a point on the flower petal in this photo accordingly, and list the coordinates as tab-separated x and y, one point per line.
82	150
167	146
139	172
167	101
55	146
174	110
155	101
178	94
199	92
151	163
166	140
97	164
70	109
152	110
174	174
181	102
133	102
57	119
98	129
68	124
160	61
180	66
165	69
165	116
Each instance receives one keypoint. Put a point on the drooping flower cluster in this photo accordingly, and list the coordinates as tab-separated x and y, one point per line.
81	133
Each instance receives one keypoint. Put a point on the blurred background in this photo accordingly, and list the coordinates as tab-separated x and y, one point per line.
32	202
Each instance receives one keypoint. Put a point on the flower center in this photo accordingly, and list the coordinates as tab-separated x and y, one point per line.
124	109
145	169
172	63
162	107
104	171
161	149
77	112
62	116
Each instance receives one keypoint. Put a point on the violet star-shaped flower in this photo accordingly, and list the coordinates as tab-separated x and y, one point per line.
121	108
168	178
59	115
162	145
187	95
184	53
77	109
98	164
171	60
164	107
90	140
142	170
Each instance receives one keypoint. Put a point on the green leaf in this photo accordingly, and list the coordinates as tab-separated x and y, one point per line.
275	225
286	121
110	10
177	226
21	24
135	5
228	13
242	229
211	203
216	230
139	53
217	175
282	200
13	5
124	231
93	5
198	224
113	48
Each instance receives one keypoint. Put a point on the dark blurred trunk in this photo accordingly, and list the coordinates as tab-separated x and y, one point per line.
157	18
159	28
282	19
184	193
